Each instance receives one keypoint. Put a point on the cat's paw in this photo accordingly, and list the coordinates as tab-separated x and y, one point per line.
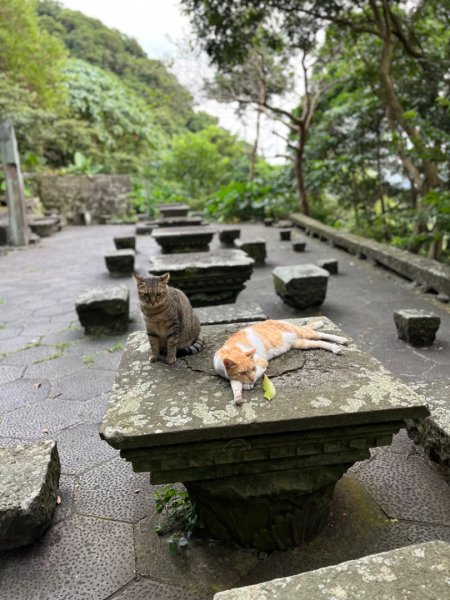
154	358
171	360
342	340
335	349
238	400
248	386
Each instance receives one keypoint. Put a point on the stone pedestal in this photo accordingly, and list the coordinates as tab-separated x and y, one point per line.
125	242
44	227
256	249
301	286
184	239
120	262
260	474
227	236
145	227
285	235
417	327
104	310
206	279
329	264
298	246
175	209
29	477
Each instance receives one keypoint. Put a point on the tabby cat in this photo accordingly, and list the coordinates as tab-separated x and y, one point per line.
171	324
244	357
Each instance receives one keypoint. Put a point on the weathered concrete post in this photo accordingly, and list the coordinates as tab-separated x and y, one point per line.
18	229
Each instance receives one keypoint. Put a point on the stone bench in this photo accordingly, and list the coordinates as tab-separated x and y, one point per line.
125	242
104	310
261	474
120	262
417	327
230	313
227	236
184	239
394	575
29	478
180	222
329	264
207	279
301	286
298	246
256	249
175	209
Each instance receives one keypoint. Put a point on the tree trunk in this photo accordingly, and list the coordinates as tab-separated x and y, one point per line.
254	151
298	170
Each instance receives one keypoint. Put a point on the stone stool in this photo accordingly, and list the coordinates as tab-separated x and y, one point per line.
417	327
329	264
104	310
144	228
301	285
256	249
227	236
298	246
285	235
43	227
268	222
29	478
120	262
124	242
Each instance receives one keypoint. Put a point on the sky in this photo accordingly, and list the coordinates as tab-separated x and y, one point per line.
162	30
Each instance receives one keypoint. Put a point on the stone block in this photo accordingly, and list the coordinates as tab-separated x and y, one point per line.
301	285
227	236
174	240
268	222
144	228
298	246
43	227
256	249
397	574
104	310
230	313
125	242
175	209
206	279
180	222
285	235
120	262
329	264
29	477
417	327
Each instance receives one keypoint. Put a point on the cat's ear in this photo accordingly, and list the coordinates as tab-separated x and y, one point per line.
138	278
251	352
227	362
165	278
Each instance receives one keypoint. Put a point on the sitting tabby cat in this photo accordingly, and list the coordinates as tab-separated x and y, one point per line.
244	357
171	324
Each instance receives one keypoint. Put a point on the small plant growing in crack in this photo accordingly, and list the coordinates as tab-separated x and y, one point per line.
115	347
61	347
181	519
88	359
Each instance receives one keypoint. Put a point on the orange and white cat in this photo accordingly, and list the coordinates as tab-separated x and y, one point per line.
243	359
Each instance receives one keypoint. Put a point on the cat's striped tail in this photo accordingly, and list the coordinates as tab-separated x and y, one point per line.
194	348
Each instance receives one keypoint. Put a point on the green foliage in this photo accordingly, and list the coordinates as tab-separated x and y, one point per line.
181	520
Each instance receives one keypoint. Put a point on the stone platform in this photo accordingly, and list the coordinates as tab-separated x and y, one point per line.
176	209
179	222
184	239
206	279
262	474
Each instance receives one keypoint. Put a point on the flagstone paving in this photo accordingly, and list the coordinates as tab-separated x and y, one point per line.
54	384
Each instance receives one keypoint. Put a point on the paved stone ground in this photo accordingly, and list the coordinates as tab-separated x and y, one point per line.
54	383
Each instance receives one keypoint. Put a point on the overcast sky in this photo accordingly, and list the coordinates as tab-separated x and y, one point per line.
161	29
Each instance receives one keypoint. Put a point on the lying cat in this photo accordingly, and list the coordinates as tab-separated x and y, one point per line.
244	357
171	324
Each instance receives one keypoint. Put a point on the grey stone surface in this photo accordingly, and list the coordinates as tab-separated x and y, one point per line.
230	313
81	559
104	310
146	589
81	449
83	384
125	241
206	278
417	572
255	249
120	262
10	373
416	327
29	477
22	392
184	239
329	264
301	286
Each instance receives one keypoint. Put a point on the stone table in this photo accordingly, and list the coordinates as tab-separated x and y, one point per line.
206	279
184	239
261	474
180	222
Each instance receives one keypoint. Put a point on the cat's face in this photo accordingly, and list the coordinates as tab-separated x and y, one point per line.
240	366
152	290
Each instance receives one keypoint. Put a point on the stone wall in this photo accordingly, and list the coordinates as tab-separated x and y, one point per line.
101	196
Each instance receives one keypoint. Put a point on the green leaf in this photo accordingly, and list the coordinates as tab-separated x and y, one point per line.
269	389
